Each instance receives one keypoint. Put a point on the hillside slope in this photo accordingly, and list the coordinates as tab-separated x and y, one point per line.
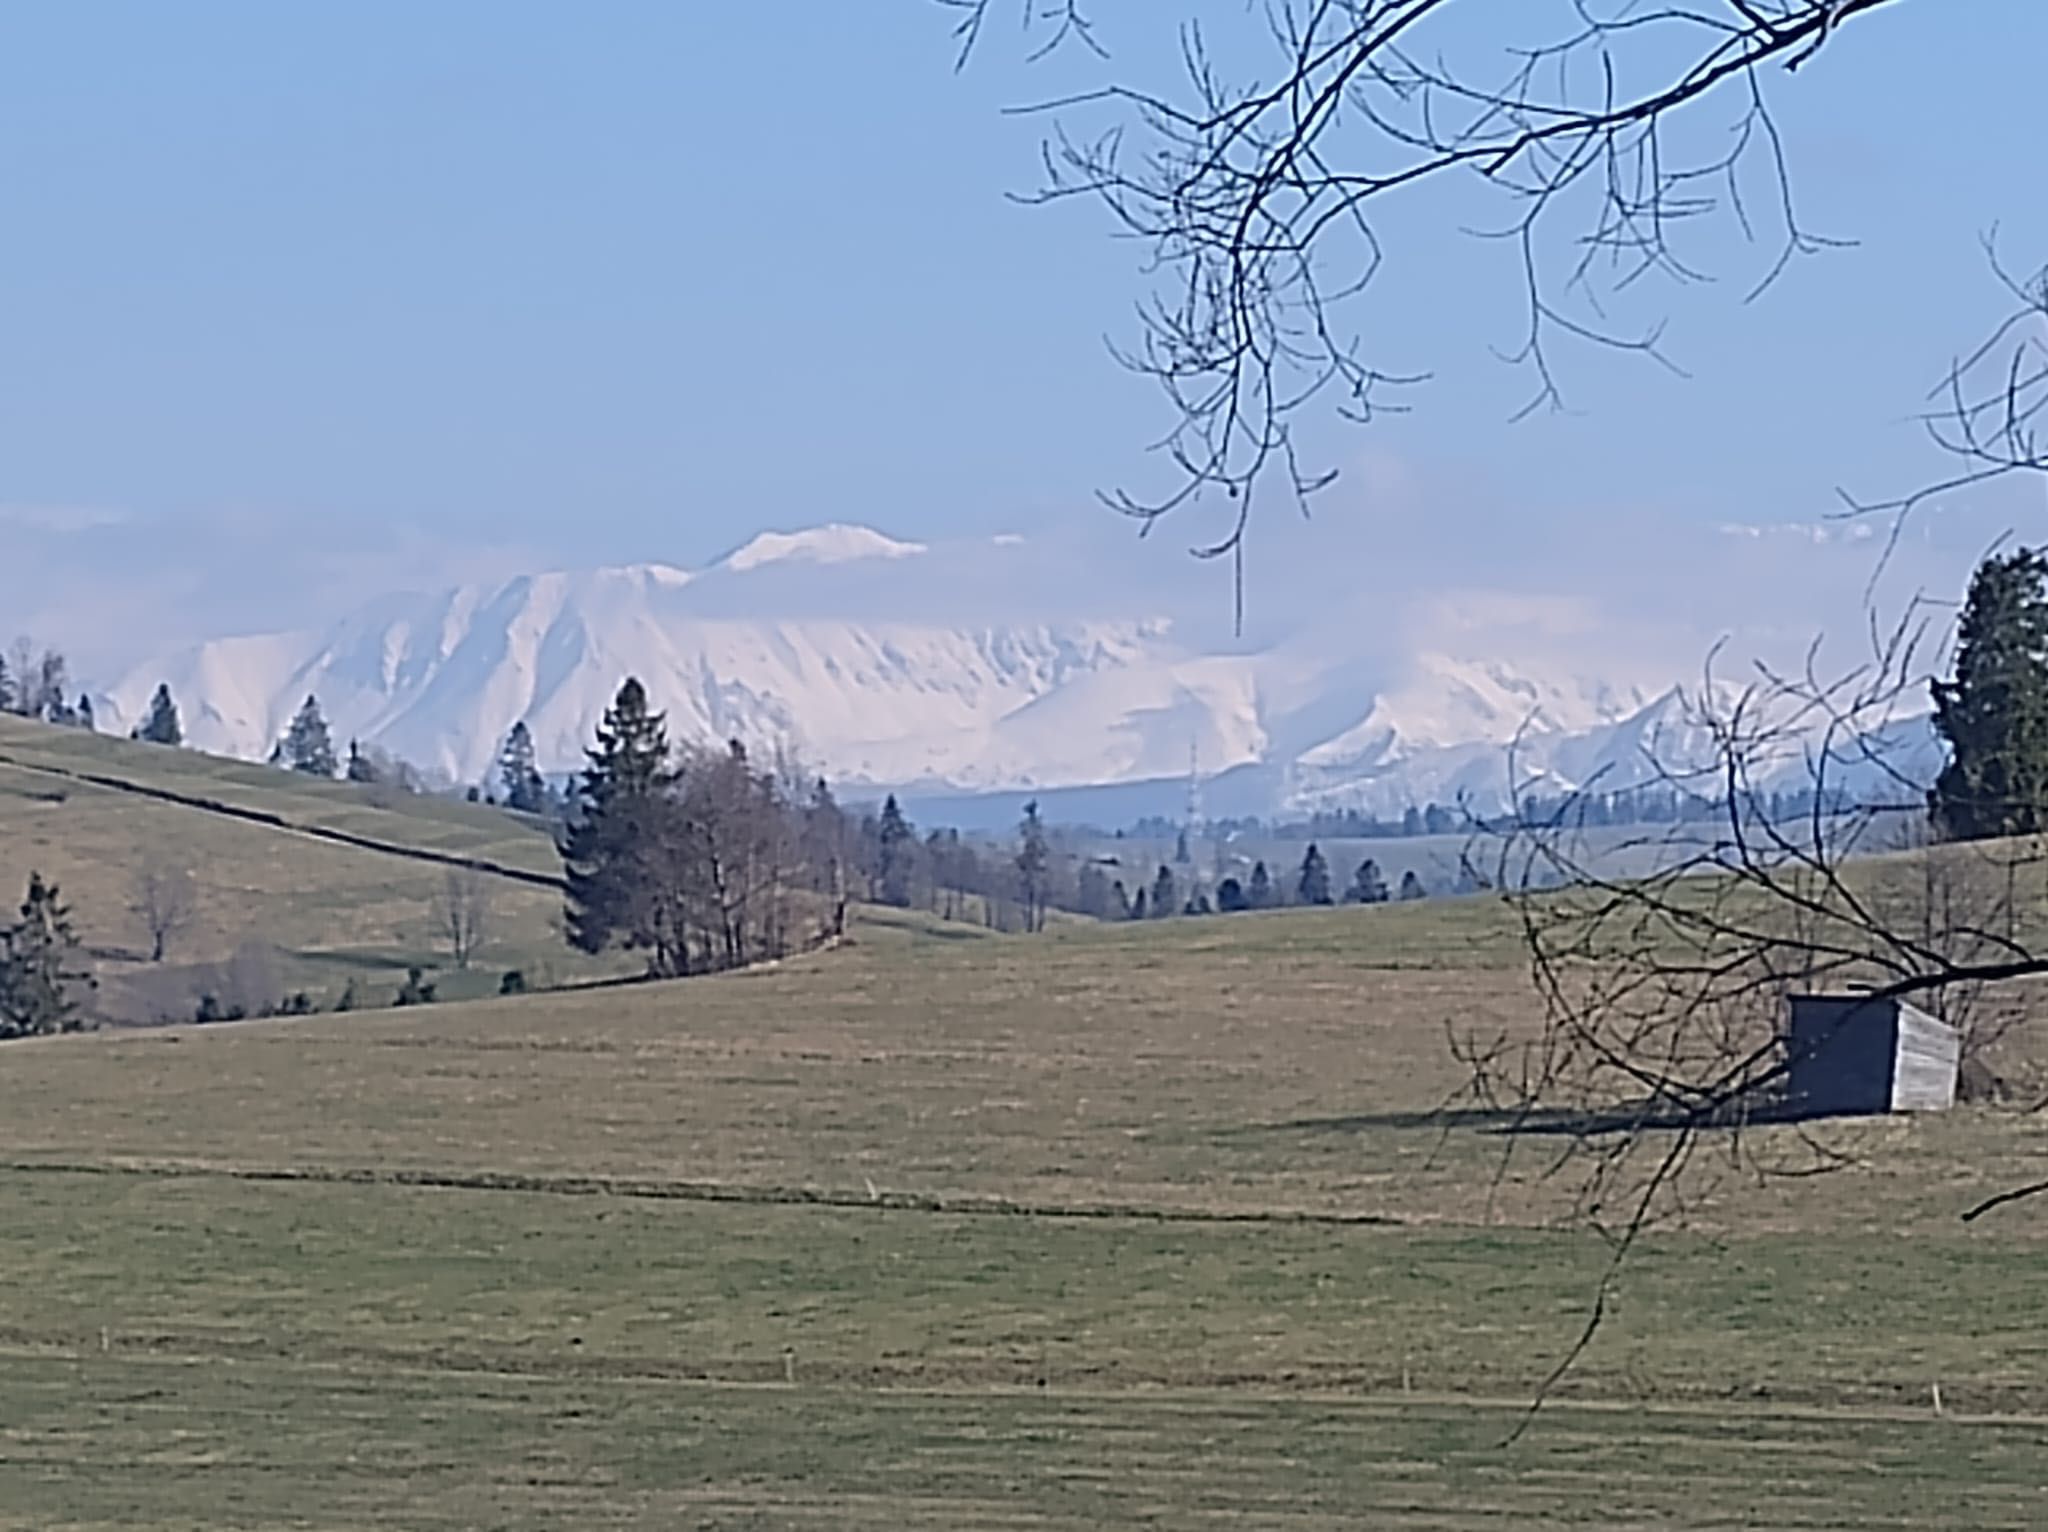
297	884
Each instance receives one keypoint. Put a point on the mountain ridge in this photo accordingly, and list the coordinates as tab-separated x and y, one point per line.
903	701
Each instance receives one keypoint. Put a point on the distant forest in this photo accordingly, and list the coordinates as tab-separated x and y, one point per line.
1621	809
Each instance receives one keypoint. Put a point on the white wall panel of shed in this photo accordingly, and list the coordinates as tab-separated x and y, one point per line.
1930	1053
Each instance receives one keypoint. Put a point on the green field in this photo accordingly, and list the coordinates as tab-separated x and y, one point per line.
1109	1227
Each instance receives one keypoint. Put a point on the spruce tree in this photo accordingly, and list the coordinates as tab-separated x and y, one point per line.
896	855
1411	886
82	714
1258	893
631	757
308	746
1092	893
526	791
40	976
1314	882
1994	713
1367	886
1034	866
48	700
1165	894
613	830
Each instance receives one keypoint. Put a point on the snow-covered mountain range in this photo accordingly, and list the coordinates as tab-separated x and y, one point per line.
737	649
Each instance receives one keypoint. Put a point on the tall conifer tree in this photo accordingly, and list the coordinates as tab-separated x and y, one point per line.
1314	885
308	746
162	725
40	973
525	789
1994	713
896	858
613	827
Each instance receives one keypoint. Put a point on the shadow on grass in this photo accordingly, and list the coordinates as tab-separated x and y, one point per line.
1556	1122
950	933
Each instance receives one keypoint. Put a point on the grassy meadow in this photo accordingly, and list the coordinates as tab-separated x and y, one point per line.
1106	1227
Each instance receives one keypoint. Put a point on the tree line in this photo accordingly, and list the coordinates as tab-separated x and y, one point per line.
1311	885
1647	804
38	685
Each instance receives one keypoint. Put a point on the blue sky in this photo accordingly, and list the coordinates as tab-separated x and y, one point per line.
342	291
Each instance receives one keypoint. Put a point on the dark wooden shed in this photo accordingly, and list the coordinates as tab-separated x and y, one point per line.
1857	1054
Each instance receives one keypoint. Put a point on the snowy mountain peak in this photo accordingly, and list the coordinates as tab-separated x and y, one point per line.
833	543
656	575
965	703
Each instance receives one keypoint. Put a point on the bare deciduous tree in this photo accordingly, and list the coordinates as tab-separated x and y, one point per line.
462	913
162	900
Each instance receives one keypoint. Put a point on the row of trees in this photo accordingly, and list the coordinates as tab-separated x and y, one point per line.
1649	804
1337	824
1311	886
702	859
882	857
1006	889
37	685
308	747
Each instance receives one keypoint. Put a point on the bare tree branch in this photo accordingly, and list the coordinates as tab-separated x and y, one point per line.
162	900
1262	204
1664	996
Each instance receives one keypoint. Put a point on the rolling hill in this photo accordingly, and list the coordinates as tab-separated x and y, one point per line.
296	884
